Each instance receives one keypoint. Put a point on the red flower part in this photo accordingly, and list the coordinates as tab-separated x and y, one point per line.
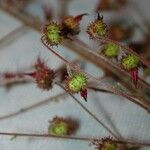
43	75
134	76
40	64
31	74
83	94
79	17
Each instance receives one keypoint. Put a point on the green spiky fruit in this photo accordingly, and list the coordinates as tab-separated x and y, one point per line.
110	50
108	145
130	62
97	29
77	82
58	127
62	126
105	144
52	34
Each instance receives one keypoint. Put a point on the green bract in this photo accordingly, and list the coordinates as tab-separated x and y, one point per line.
110	50
130	62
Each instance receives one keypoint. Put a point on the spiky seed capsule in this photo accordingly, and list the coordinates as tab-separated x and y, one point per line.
58	128
44	76
97	28
76	83
52	34
62	126
105	144
108	144
70	22
110	50
69	27
130	62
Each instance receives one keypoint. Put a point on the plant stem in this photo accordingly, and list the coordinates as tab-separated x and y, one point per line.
68	138
33	106
45	135
88	111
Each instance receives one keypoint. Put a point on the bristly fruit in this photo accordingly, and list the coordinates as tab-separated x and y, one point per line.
77	83
130	63
97	28
51	34
62	126
105	144
43	75
110	50
71	25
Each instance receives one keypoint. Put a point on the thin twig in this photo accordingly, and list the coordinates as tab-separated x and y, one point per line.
89	112
33	106
68	138
45	135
